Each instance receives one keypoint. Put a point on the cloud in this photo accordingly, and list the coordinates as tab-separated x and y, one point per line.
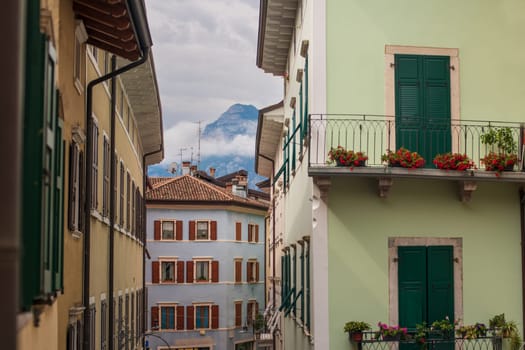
204	55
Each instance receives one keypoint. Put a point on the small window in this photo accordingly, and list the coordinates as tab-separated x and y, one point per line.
202	271
103	324
168	230
253	233
167	271
167	317
203	230
202	316
94	167
94	52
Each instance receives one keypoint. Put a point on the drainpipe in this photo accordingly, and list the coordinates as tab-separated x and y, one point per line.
144	225
522	226
87	204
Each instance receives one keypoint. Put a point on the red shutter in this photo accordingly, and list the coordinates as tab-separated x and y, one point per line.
215	271
256	309
179	230
256	233
154	317
190	322
238	314
250	233
249	309
192	230
215	316
248	272
156	231
213	231
180	271
155	272
257	271
189	272
180	317
238	231
238	271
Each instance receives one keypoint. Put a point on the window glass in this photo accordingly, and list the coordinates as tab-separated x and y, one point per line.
202	314
168	271
167	317
202	230
202	271
168	229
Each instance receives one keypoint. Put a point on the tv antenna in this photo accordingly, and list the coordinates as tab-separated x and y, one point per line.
199	144
180	153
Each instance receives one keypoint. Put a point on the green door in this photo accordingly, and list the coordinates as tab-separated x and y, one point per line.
425	286
423	104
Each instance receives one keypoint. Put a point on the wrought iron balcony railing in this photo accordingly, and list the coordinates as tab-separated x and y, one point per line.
374	134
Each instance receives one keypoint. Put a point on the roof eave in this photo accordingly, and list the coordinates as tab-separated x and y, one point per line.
260	125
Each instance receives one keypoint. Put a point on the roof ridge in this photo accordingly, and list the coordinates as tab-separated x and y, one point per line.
161	183
216	188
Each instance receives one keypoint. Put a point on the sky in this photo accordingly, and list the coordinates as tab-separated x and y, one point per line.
204	53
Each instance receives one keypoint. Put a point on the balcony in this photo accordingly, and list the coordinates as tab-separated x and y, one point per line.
374	134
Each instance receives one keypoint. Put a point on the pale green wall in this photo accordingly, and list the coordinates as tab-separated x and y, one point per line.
359	224
489	35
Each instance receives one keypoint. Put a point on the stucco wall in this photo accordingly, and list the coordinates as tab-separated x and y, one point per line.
360	223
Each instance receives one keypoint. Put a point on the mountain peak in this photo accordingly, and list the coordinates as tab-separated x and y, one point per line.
239	119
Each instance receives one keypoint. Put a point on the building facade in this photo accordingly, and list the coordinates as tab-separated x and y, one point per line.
205	276
82	244
373	77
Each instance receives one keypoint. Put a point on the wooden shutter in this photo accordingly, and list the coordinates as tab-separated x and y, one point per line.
179	230
155	272
256	233
156	230
238	314
72	198
215	316
180	271
238	271
190	320
238	231
189	272
249	271
215	271
257	271
249	312
192	230
440	283
154	317
412	286
213	229
180	317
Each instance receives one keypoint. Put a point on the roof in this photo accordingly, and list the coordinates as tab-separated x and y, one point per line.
231	176
276	26
187	189
269	133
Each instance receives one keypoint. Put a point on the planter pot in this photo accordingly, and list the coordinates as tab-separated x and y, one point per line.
396	337
356	337
359	164
339	163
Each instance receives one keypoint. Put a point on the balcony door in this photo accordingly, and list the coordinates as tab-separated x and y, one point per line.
422	104
426	287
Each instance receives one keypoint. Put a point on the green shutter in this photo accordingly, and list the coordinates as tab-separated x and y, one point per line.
58	232
440	283
305	111
294	153
423	104
412	286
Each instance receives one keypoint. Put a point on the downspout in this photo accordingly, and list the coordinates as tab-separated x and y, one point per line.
112	179
144	235
87	204
522	227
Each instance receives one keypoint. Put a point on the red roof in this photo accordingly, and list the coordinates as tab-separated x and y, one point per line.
189	189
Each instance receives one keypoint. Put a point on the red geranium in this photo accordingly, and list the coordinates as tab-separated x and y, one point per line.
453	161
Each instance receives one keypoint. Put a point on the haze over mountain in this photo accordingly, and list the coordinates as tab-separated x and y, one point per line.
225	145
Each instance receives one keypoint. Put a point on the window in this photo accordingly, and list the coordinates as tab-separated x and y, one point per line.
120	322
238	231
168	230
128	198
126	322
75	209
132	213
202	271
167	317
238	270
74	335
94	52
253	233
105	183
251	311
79	55
94	167
121	102
167	271
121	206
202	230
92	323
238	314
202	316
103	325
115	190
132	321
252	271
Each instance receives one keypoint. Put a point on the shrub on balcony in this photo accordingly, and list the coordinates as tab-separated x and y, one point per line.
453	161
403	158
355	330
506	329
499	162
502	149
343	157
388	333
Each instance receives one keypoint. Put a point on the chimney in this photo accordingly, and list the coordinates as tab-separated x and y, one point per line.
185	167
193	170
229	187
212	171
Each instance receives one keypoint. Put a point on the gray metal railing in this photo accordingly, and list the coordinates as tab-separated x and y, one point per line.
375	134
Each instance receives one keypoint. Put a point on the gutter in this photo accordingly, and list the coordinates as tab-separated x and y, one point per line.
260	37
522	227
87	204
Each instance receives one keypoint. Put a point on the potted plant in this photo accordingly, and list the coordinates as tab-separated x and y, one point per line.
453	161
502	149
391	333
477	330
421	335
343	157
444	328
506	329
355	330
403	158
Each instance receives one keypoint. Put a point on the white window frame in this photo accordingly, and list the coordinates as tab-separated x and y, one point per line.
195	263
251	232
253	267
208	222
209	305
75	201
174	222
168	260
166	305
81	37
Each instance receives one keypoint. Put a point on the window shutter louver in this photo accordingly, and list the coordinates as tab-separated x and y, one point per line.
189	271
156	230
238	271
155	272
238	314
213	228
81	192
215	271
249	316
72	187
192	230
215	316
256	233
190	321
257	271
179	230
154	317
180	317
180	271
238	231
248	272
